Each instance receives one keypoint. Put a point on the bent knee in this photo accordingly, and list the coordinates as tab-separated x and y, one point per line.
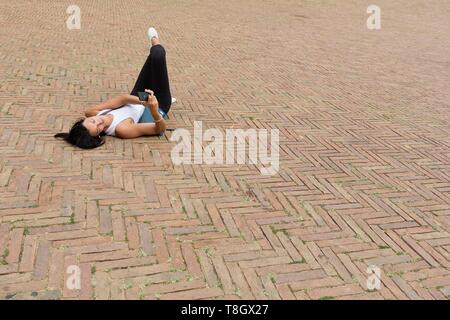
157	53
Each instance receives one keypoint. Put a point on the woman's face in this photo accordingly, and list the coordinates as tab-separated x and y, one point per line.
95	125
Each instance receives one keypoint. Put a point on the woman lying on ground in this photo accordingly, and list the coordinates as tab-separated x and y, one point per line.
126	116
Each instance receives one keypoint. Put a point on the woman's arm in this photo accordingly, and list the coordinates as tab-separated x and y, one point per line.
144	129
112	103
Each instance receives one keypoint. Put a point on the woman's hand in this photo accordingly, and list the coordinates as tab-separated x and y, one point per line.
152	102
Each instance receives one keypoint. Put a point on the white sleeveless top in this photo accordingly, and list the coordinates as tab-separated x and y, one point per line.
134	111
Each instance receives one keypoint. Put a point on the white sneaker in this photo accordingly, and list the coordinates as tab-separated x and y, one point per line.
174	100
152	33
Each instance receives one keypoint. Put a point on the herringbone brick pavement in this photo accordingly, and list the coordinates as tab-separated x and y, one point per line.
364	150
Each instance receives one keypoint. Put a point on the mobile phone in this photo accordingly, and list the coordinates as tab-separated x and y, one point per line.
143	96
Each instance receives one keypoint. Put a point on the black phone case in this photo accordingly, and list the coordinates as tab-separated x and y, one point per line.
143	96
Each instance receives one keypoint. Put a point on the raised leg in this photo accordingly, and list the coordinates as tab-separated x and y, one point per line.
154	76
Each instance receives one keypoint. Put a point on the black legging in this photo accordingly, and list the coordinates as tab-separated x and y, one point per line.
154	76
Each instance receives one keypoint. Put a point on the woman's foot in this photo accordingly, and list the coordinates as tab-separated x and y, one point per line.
153	36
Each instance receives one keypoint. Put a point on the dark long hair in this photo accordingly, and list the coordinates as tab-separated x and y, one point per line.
80	136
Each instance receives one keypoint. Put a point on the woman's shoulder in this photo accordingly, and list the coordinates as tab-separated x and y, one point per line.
131	117
123	126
